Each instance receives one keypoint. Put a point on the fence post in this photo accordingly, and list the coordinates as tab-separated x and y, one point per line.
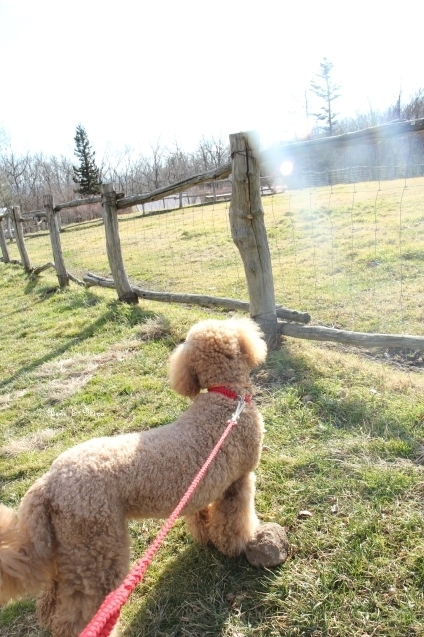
113	245
9	225
249	234
3	244
52	223
19	234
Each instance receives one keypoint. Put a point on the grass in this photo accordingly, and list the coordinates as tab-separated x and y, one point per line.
344	441
351	255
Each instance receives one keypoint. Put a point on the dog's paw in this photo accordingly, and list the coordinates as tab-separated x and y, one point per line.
268	547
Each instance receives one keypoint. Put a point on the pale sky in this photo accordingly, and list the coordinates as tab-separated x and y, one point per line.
135	72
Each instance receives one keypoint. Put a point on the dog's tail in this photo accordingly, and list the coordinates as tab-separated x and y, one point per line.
26	546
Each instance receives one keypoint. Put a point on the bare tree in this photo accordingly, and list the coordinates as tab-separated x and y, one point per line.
177	164
414	109
15	176
152	167
212	152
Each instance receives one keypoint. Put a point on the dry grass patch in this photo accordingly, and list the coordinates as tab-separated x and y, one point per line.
22	626
334	357
154	328
67	376
36	441
420	454
7	399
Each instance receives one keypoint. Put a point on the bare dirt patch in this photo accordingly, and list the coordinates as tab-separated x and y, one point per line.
400	357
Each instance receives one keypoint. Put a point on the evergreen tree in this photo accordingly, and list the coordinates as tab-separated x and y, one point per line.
86	175
324	88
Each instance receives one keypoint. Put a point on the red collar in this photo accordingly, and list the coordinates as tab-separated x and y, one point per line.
229	393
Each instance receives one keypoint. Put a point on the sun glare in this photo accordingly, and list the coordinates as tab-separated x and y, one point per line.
286	167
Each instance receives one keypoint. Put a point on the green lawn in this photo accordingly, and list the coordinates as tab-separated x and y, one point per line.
345	432
351	255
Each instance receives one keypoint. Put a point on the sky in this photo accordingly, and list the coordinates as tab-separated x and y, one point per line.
140	72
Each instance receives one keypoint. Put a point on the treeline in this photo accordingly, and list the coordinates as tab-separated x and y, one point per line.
412	109
386	153
25	178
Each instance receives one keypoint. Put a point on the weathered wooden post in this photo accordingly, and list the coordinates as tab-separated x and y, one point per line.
3	244
214	191
53	226
113	246
249	234
9	225
19	234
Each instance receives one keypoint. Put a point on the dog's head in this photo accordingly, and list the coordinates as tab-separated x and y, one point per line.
215	353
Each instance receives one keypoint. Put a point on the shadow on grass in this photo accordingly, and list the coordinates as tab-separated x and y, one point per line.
133	315
373	415
362	450
44	292
201	592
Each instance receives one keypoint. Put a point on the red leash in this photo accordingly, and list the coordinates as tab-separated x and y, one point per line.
108	614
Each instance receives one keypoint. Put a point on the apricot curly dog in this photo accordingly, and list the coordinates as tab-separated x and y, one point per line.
69	542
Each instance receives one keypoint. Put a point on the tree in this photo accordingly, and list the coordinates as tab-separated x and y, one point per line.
325	90
14	177
87	175
213	152
414	109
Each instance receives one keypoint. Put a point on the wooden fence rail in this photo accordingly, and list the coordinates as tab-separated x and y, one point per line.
359	339
212	175
91	279
247	229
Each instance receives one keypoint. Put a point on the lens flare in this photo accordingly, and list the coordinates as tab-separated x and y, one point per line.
286	168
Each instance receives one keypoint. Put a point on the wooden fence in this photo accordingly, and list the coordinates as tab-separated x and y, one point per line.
247	229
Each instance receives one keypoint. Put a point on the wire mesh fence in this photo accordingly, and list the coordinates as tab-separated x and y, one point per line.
188	250
351	254
355	174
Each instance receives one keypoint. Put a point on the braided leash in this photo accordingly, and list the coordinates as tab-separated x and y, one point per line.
108	614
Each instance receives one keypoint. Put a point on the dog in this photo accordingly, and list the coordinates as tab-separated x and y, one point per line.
68	543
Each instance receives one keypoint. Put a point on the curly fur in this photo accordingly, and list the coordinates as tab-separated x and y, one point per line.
69	542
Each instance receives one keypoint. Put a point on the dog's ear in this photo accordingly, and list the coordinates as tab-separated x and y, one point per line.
251	342
182	375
